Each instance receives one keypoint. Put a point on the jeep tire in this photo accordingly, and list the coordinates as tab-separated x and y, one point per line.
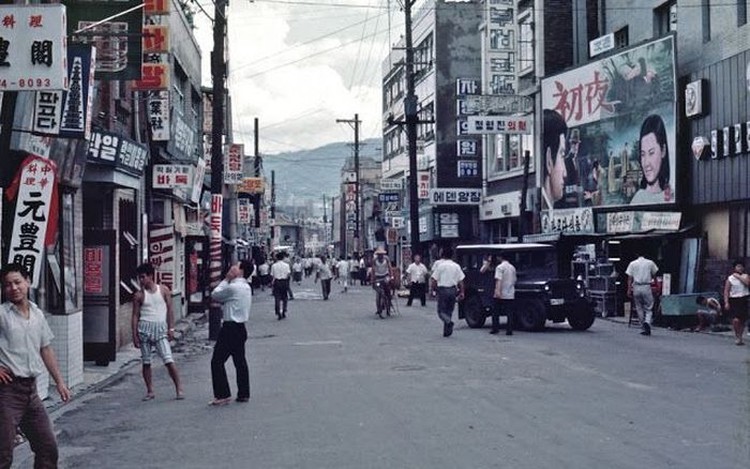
530	315
581	316
474	312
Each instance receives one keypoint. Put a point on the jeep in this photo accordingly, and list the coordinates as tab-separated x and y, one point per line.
540	294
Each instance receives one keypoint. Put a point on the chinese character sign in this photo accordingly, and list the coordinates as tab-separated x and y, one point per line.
608	132
423	184
34	214
33	48
158	115
78	100
233	159
577	220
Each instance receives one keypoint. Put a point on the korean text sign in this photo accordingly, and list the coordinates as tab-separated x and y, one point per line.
33	48
233	159
609	130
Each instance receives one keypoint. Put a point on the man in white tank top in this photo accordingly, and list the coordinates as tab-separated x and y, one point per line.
153	327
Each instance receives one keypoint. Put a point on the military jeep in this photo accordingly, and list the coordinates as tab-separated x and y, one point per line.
540	294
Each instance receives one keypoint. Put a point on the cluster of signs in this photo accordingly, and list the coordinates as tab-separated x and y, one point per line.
581	220
468	145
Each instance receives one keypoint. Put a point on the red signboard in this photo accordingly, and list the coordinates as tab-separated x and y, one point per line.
93	270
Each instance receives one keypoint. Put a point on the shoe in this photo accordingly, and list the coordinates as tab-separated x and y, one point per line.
646	329
283	315
242	399
180	396
220	402
380	315
494	331
279	317
447	329
148	397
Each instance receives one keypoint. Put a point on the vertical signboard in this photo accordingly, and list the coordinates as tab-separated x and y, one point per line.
78	100
158	115
609	131
234	154
161	252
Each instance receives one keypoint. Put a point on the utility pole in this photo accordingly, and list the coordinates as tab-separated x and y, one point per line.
272	216
258	163
218	74
355	125
411	118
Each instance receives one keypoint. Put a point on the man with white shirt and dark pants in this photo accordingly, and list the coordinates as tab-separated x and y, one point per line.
640	273
448	283
235	295
280	273
505	293
417	273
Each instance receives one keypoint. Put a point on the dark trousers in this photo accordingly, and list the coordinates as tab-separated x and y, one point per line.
502	308
446	301
20	406
280	292
417	290
326	286
231	342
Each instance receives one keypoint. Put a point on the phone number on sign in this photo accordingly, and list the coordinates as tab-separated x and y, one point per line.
27	83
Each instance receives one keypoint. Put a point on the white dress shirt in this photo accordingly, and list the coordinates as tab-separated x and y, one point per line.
236	298
447	273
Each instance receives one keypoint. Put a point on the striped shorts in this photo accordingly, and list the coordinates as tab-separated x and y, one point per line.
153	335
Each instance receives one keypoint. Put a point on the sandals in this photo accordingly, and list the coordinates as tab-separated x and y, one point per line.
148	397
220	402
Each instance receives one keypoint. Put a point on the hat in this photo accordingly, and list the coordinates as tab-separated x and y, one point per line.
575	136
380	251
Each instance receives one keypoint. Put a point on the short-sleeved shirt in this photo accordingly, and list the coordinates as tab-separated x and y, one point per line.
22	339
447	273
280	270
381	269
642	270
236	298
737	289
417	272
506	273
343	267
324	271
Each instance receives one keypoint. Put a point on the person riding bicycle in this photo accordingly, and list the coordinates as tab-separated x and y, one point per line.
381	277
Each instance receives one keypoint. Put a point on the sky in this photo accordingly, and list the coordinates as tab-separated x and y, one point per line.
299	65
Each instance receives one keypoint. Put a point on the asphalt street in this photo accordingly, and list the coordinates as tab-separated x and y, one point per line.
333	386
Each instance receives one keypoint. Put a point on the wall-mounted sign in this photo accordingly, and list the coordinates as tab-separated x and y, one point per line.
467	148
498	125
154	76
79	99
33	48
457	196
448	224
234	155
601	44
467	168
169	176
48	107
668	221
391	184
572	220
498	104
500	206
251	186
245	212
158	115
620	222
694	98
156	7
115	150
155	39
423	184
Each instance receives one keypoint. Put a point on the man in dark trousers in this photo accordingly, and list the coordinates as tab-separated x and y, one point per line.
236	299
25	351
504	294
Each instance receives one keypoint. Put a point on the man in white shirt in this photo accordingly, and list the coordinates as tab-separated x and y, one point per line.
640	274
236	299
417	274
280	273
448	283
505	293
343	274
325	275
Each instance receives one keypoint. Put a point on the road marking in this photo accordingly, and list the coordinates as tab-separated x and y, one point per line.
319	342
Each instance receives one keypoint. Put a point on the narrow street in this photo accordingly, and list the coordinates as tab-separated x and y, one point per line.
333	386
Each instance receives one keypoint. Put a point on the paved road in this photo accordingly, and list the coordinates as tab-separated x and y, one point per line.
335	387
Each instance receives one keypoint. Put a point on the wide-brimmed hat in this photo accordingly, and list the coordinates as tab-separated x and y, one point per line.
380	251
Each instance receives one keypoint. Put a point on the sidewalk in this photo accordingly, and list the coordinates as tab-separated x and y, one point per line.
722	333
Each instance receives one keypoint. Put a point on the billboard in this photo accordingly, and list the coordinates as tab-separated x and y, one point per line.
608	134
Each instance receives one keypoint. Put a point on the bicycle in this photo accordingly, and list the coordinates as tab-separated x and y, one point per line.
383	298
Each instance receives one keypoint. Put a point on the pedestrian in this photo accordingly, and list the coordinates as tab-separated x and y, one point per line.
297	271
25	350
505	293
417	275
263	274
288	261
153	327
343	274
280	273
363	273
354	268
380	277
640	274
324	275
448	284
236	300
736	294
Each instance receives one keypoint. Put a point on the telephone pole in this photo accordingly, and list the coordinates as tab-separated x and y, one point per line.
355	125
218	74
411	120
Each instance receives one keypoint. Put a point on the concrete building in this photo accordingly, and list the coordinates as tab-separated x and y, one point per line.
447	65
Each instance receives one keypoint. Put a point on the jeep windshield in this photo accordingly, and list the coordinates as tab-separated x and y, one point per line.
532	261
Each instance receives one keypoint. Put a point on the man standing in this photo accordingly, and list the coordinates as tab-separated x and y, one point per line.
153	327
417	273
448	282
324	274
25	339
343	273
236	299
280	272
640	273
505	293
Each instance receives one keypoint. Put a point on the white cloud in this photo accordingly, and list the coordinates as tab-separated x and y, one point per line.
299	68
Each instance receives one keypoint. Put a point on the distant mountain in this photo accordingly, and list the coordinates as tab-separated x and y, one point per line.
308	174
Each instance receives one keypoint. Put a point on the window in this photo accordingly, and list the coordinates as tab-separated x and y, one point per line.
526	42
501	39
509	150
426	131
622	38
706	19
423	57
128	225
665	18
741	12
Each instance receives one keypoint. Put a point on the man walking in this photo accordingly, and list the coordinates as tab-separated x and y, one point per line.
417	274
448	283
505	292
25	339
280	272
153	327
324	274
640	273
236	299
343	274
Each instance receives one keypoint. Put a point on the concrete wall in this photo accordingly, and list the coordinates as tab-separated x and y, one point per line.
716	224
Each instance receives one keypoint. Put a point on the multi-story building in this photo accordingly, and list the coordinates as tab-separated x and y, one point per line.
447	65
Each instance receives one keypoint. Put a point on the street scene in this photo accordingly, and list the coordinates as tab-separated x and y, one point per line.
423	233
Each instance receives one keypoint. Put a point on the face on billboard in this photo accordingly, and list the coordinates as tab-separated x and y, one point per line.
620	124
556	170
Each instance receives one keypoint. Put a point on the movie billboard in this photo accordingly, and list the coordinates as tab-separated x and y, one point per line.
608	132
